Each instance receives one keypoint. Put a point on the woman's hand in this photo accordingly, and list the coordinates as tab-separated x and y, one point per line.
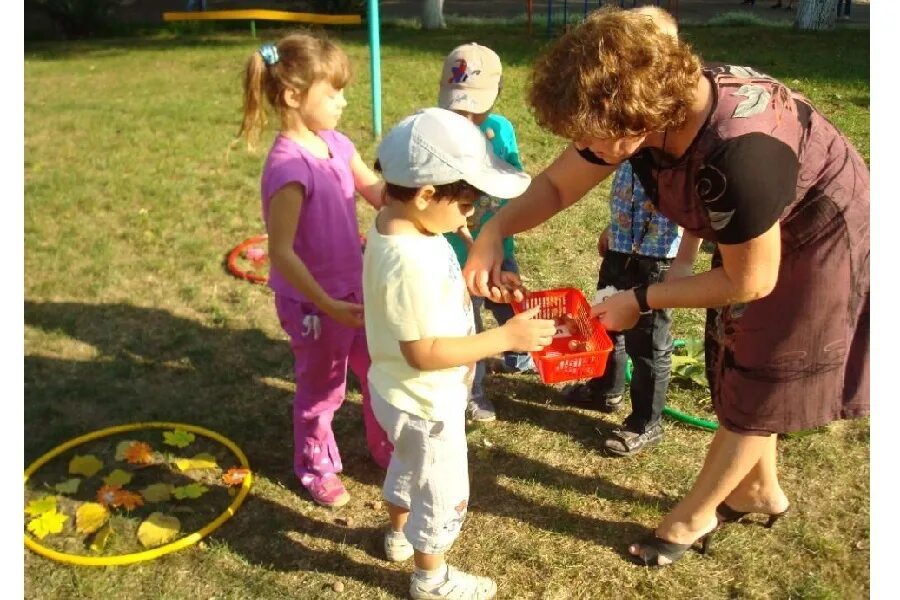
482	269
618	312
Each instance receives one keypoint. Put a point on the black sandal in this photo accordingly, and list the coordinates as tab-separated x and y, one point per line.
726	514
671	551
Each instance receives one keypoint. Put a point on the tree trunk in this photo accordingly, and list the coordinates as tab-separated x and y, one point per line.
816	15
433	14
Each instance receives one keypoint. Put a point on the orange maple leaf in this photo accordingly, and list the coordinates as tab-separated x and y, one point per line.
114	495
128	500
235	476
107	494
139	453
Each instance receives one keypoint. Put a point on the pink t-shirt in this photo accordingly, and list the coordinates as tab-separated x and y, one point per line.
327	236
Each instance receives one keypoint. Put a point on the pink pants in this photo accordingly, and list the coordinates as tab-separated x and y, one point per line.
322	352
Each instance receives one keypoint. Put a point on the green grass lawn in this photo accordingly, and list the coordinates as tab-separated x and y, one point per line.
132	200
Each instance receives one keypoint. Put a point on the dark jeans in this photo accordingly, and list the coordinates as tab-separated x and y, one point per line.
649	344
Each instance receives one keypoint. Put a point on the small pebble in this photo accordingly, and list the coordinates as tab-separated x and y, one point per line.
338	586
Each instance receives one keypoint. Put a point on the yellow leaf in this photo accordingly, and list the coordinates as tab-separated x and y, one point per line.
40	506
200	461
158	529
86	465
101	538
48	522
118	477
90	517
69	486
122	448
158	492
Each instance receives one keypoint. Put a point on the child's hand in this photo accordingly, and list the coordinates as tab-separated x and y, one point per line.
524	333
348	314
603	242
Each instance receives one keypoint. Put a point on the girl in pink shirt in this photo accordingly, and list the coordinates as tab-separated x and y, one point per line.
308	185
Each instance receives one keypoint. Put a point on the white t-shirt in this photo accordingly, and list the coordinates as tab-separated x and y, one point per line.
413	289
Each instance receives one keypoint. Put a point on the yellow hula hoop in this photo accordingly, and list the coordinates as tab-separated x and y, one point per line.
127	559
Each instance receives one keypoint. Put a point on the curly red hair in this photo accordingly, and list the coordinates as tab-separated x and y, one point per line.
616	74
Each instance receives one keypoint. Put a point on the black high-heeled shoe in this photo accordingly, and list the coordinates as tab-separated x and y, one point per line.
661	548
726	514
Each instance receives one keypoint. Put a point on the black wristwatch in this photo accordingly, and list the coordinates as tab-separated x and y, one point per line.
640	293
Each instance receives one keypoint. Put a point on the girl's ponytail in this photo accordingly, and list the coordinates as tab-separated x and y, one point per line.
254	117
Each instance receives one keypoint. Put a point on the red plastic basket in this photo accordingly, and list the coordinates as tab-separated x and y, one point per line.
558	362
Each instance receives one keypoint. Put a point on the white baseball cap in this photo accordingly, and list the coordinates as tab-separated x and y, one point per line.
436	146
470	79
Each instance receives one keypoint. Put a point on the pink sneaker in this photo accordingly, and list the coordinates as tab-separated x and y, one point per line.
327	490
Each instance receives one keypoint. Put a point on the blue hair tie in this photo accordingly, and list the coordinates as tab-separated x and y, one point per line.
269	54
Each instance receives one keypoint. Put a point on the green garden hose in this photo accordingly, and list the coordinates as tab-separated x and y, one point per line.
677	414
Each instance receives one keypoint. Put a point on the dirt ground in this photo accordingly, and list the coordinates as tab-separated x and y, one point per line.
693	11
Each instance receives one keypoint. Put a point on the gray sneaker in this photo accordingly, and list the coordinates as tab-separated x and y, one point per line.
481	410
622	442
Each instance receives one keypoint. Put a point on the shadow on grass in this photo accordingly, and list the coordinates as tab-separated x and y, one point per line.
146	364
527	400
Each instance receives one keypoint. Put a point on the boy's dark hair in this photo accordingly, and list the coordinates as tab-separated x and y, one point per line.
445	191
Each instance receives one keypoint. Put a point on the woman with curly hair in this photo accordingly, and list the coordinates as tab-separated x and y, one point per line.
733	156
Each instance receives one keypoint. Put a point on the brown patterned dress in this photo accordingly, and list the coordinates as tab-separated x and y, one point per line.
798	358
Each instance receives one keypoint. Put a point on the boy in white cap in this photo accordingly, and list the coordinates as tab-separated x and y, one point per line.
422	338
470	84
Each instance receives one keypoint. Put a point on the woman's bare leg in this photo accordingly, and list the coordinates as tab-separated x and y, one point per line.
729	461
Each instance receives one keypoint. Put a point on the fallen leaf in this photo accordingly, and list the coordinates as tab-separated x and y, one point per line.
106	495
122	448
101	538
158	529
129	500
48	522
200	461
139	453
90	517
114	495
178	438
158	492
235	476
69	486
86	465
41	505
193	490
118	477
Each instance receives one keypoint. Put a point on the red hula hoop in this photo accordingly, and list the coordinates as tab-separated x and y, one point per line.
253	277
